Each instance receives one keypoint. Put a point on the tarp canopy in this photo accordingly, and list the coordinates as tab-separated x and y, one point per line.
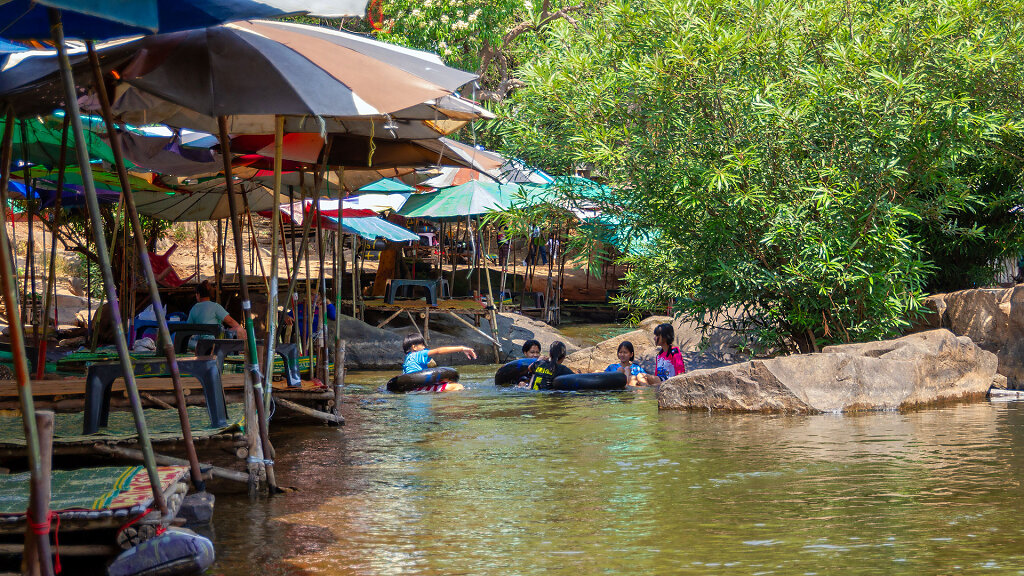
372	228
473	198
364	223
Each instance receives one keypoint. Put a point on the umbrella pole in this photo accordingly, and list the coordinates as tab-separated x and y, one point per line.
490	296
147	270
51	279
254	391
39	503
355	276
321	344
275	221
92	202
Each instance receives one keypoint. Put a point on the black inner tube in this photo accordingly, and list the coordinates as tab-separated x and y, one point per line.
428	377
593	381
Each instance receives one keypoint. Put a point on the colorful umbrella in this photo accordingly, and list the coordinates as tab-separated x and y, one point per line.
387	185
470	199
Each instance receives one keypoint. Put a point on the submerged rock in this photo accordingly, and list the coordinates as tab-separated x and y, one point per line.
921	369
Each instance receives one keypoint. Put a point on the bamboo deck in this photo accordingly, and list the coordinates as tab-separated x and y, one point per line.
93	505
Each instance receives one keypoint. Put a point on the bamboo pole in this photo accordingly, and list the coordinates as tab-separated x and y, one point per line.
339	372
253	389
92	201
32	556
147	268
51	280
275	221
320	368
38	506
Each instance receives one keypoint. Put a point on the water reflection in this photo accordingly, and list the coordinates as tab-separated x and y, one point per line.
488	481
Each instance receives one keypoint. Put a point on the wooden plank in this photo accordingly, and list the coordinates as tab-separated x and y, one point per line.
74	387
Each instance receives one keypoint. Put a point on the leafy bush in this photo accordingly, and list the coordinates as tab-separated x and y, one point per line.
809	166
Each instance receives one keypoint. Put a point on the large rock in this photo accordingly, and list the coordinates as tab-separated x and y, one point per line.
917	370
993	319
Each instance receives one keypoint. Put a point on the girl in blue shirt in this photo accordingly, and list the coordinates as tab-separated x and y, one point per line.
634	372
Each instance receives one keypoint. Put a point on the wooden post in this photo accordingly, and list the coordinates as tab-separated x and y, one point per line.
147	269
355	275
92	201
38	505
253	390
51	279
275	221
339	374
426	326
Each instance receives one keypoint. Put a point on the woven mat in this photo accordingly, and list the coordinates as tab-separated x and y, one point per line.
109	487
162	424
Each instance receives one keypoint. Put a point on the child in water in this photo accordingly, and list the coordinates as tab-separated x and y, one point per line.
417	357
543	372
635	375
670	360
531	349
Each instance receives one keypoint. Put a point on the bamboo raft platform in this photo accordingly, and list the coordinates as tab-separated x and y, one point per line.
164	427
101	511
64	395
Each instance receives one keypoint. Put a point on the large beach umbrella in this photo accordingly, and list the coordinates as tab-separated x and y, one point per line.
265	68
439	117
378	202
473	198
103	19
199	206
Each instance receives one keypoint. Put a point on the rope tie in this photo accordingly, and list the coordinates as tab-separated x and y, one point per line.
255	460
43	528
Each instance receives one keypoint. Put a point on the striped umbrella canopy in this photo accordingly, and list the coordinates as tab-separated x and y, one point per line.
260	68
200	205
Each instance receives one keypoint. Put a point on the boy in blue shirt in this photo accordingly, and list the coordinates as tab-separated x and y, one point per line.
417	356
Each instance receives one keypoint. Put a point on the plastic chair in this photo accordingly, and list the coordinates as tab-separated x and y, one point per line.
165	274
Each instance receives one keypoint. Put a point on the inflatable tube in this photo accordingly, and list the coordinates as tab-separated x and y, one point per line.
429	377
593	381
176	551
510	374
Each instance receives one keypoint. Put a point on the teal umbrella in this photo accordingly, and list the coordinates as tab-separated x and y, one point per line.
470	199
38	142
387	185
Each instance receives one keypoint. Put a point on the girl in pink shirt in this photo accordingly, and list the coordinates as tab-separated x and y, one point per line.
669	362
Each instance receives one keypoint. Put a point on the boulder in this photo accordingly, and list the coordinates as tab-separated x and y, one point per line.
993	318
921	369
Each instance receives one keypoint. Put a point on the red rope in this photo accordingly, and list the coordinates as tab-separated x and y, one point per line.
41	528
375	15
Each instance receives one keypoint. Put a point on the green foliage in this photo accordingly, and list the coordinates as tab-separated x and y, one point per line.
807	168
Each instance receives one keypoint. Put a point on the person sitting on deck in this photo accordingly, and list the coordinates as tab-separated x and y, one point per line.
635	374
417	356
300	312
543	372
206	311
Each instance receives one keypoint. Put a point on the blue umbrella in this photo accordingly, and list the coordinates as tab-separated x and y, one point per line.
105	19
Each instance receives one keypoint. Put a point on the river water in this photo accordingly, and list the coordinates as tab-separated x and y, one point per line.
489	481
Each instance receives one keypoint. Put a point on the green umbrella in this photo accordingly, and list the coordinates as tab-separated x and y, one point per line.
38	142
470	199
387	185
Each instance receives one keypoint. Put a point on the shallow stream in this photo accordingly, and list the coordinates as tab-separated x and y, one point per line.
489	481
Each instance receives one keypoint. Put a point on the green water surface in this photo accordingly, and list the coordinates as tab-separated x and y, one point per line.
489	481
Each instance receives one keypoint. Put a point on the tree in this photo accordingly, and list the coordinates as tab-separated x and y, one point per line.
490	37
802	169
